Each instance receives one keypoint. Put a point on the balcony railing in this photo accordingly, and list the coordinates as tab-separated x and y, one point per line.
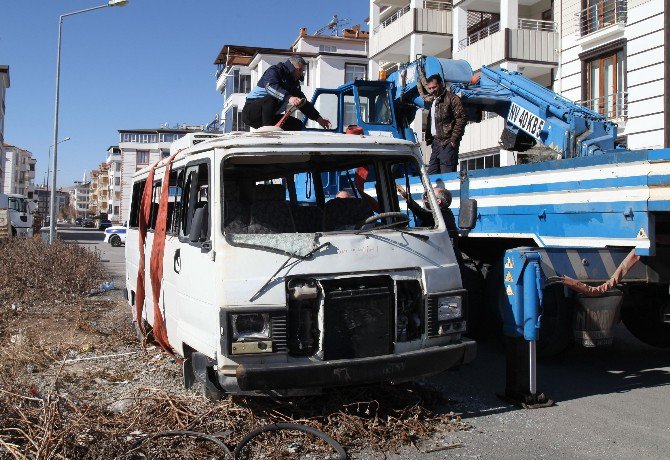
473	38
603	14
391	19
536	24
613	106
437	5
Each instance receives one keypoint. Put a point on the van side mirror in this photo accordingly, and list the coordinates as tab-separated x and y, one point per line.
198	224
467	216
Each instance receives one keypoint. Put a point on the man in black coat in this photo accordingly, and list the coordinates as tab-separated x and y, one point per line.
278	87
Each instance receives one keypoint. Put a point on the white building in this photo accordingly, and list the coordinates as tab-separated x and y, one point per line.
331	61
19	171
4	84
114	172
140	148
80	197
608	54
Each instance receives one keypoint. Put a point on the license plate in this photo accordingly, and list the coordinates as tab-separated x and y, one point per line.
522	118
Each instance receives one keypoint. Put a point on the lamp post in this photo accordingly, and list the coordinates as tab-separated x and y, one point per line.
54	160
49	164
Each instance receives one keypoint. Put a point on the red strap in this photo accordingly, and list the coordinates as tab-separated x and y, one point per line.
156	263
143	217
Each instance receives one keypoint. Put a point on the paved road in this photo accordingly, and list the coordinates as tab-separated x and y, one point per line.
611	402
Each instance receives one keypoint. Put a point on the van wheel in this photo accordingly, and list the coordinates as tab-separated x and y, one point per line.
146	337
115	240
643	314
199	374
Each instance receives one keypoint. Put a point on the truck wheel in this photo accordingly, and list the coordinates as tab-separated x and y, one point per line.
556	322
115	240
473	282
643	312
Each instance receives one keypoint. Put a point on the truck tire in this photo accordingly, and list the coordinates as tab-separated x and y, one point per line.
643	312
473	282
115	240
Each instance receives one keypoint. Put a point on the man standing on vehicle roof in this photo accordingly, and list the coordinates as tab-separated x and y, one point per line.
445	127
278	88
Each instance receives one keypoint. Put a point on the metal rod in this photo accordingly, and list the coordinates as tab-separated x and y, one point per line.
533	367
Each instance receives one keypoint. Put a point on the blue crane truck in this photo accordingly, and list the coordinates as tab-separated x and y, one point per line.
562	249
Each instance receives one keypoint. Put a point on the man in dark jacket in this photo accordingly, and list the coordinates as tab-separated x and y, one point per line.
424	215
278	87
445	127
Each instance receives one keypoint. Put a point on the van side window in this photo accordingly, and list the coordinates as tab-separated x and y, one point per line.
155	200
195	197
174	200
138	189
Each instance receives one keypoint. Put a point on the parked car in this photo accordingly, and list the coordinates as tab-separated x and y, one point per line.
115	235
104	223
78	221
87	223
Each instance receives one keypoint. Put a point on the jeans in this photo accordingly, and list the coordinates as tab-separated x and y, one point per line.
442	159
263	112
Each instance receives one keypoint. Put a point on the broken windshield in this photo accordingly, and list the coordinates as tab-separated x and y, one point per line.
285	202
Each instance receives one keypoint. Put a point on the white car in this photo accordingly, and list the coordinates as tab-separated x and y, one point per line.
115	235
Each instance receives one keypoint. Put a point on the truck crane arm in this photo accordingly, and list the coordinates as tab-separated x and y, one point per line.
533	113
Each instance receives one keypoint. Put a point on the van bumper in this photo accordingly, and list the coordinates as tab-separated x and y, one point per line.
387	368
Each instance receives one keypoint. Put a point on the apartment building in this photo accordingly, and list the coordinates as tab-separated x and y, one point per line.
19	171
98	203
614	60
607	55
332	59
42	197
80	197
139	148
114	172
4	84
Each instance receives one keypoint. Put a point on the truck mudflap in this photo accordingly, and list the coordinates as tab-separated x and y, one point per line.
343	372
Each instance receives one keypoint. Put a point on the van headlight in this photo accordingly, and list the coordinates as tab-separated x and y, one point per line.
250	326
449	308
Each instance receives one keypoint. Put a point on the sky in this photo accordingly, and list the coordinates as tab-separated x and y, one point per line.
138	66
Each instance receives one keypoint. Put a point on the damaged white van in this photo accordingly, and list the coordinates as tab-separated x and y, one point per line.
272	284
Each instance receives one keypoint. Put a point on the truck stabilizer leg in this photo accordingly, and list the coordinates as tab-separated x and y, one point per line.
523	280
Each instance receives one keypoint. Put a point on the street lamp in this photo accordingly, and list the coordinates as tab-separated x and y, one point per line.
52	211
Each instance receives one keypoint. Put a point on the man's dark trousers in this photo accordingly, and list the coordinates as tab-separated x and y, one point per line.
443	159
263	112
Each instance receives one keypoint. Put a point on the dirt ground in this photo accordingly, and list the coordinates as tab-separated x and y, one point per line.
76	383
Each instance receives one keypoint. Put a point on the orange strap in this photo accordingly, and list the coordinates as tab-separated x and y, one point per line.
143	218
156	263
157	253
594	291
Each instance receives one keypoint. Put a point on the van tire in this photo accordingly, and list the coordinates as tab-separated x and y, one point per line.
199	374
115	240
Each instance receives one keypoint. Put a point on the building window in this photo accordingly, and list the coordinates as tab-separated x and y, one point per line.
355	72
116	210
605	90
305	78
165	153
327	49
117	181
482	162
598	14
142	157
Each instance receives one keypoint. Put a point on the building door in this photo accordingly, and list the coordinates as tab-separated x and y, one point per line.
605	80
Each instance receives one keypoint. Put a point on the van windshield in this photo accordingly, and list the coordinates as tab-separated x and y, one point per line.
302	195
17	204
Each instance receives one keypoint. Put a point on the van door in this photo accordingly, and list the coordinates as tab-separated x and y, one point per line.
192	263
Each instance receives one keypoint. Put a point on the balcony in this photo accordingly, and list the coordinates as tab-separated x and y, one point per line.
534	41
484	135
613	106
603	14
391	36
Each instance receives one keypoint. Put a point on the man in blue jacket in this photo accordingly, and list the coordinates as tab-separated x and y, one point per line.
278	87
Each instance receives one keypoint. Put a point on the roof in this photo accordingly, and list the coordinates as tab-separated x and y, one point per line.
241	52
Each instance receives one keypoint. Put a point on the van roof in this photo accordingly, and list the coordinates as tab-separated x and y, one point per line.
197	142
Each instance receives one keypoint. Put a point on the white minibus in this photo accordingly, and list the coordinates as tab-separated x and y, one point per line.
271	286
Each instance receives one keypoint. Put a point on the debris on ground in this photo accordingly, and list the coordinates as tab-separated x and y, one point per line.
75	383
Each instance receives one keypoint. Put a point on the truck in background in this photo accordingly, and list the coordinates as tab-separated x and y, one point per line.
19	217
